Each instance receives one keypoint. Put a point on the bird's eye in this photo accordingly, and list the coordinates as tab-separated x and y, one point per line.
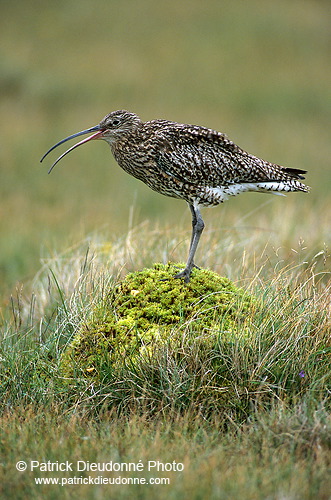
115	122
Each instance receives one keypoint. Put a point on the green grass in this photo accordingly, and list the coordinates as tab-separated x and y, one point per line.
259	72
283	454
247	414
239	415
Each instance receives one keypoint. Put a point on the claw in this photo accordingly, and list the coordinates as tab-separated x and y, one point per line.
184	275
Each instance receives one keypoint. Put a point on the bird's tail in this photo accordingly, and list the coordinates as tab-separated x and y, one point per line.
279	178
277	187
291	180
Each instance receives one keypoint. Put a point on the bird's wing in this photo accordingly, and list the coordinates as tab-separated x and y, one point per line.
200	155
196	155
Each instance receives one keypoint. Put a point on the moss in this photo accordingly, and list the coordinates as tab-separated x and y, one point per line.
148	308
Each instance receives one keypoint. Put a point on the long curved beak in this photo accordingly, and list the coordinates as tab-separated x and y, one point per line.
97	135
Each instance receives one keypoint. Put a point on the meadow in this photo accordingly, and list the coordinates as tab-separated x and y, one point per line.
247	419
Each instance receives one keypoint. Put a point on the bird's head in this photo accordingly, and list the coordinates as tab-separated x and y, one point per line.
113	127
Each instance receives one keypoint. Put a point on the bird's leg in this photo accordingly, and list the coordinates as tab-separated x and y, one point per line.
197	228
194	222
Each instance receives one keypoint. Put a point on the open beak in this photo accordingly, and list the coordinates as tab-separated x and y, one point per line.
97	135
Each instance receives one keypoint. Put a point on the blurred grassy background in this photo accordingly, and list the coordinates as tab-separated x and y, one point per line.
259	71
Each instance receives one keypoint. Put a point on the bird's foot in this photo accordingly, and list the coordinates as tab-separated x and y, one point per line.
186	273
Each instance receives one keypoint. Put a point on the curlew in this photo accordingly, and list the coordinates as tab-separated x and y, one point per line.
196	164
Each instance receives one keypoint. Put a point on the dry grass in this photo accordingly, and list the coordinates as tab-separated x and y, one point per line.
257	72
285	454
248	416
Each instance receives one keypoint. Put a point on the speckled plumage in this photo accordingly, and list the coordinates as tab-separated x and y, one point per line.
197	164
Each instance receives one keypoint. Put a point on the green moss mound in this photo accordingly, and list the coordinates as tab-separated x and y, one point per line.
149	308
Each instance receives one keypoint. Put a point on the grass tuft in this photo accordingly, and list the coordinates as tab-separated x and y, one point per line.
211	381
